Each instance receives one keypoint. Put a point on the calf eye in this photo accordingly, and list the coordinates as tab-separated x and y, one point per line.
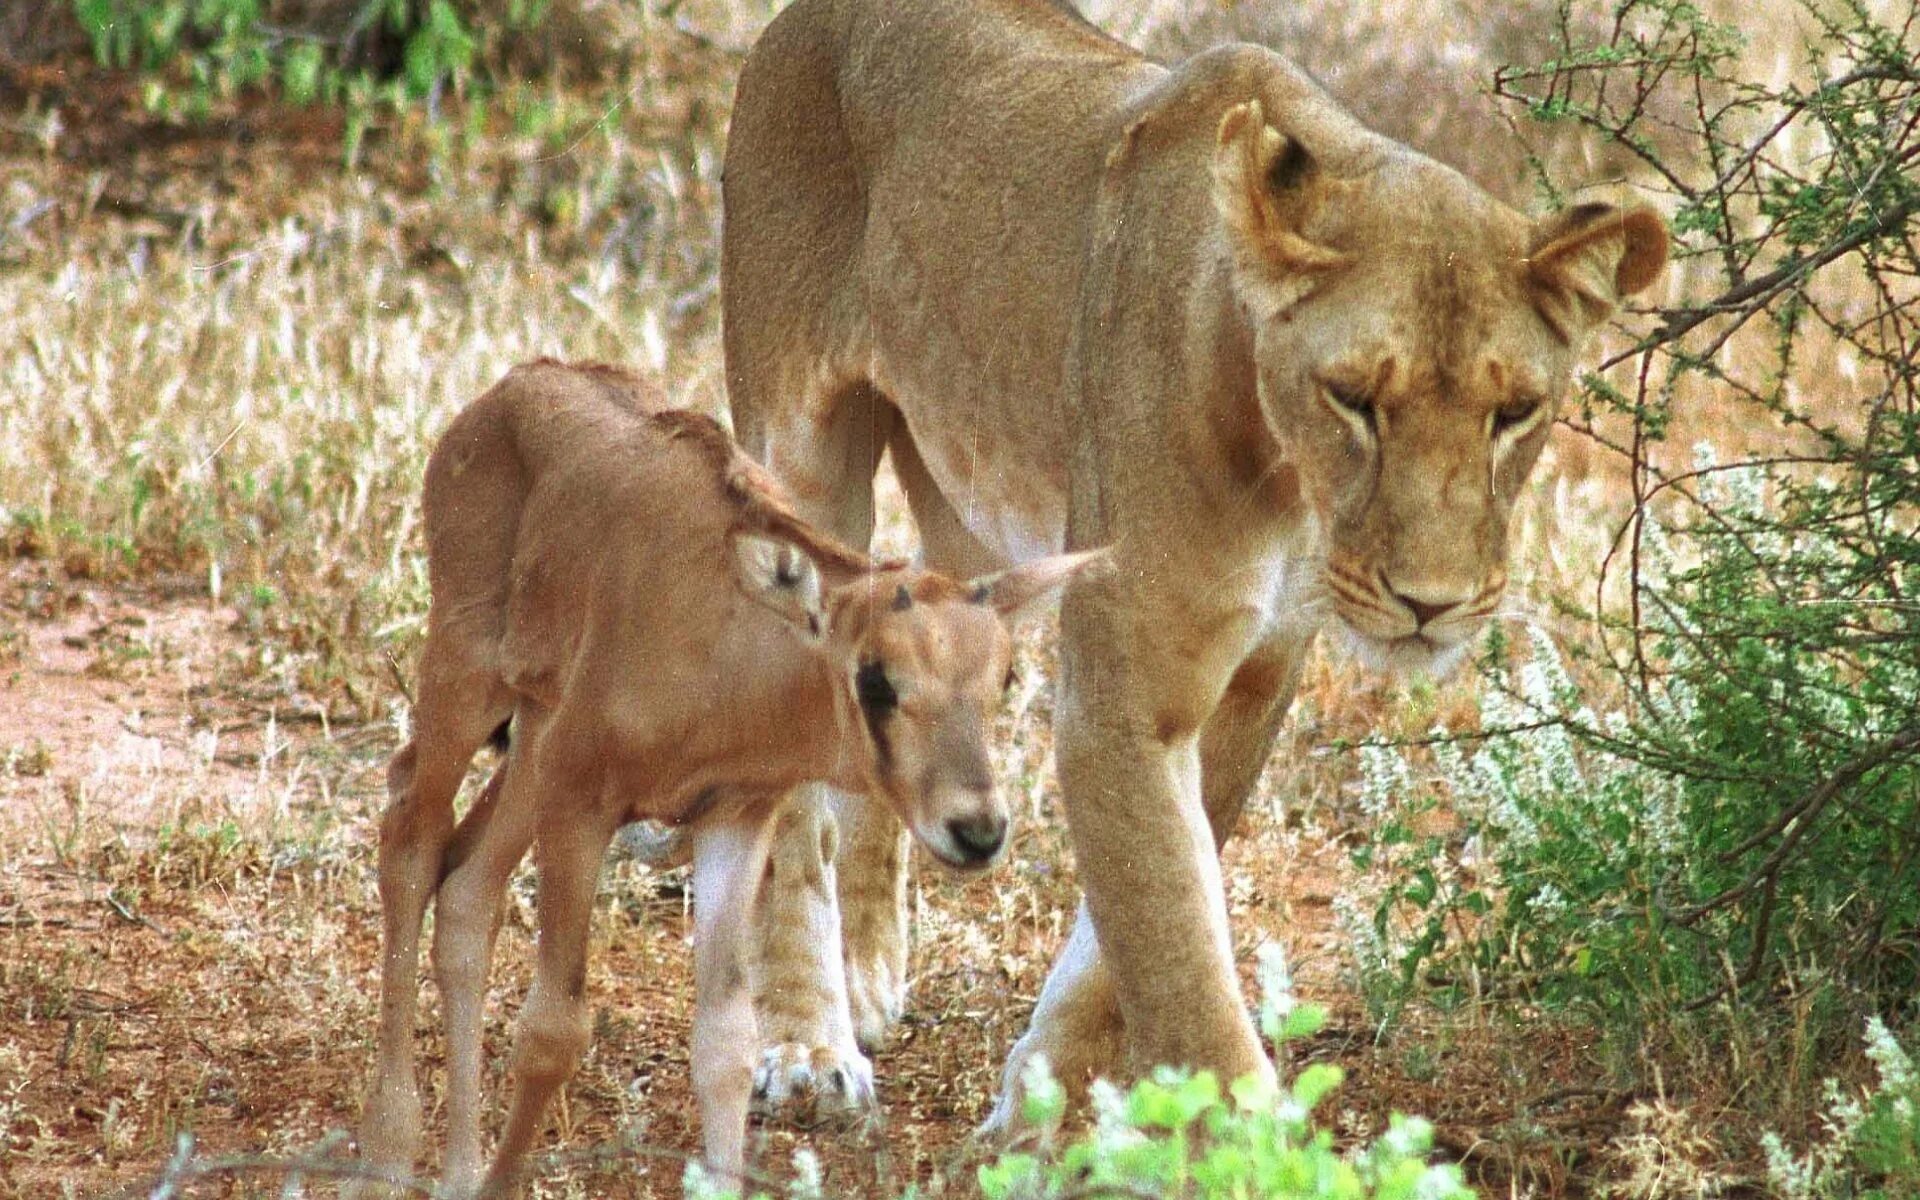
874	689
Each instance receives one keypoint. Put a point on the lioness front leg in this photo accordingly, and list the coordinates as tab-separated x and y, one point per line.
809	1060
827	452
1076	1025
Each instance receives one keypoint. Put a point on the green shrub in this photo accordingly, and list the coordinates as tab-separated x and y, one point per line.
197	52
1872	1146
1746	829
1699	827
1179	1134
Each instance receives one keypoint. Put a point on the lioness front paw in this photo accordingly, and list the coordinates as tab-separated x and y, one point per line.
812	1084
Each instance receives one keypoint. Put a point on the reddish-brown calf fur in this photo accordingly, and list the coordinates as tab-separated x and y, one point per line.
668	641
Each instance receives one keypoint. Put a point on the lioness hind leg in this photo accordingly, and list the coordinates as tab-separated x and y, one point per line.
872	886
944	537
809	1063
798	343
873	865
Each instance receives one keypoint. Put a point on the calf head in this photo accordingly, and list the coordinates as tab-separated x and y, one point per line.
921	661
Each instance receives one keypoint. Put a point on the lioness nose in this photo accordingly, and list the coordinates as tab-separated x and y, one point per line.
978	837
1425	612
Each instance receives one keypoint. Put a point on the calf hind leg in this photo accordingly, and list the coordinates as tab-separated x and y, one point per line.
469	910
554	1024
458	709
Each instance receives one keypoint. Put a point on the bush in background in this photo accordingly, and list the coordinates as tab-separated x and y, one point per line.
1710	843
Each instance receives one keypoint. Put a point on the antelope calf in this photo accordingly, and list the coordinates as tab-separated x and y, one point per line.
633	598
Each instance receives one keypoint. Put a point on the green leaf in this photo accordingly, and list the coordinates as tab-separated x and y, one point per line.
300	73
1315	1083
1304	1021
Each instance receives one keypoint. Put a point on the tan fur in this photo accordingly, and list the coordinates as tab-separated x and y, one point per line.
670	643
1289	369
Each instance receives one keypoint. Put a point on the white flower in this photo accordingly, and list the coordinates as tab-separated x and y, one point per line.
1276	980
1896	1069
807	1177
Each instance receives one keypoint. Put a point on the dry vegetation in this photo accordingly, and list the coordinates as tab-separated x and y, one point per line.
222	361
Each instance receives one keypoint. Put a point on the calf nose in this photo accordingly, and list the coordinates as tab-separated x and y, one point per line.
978	838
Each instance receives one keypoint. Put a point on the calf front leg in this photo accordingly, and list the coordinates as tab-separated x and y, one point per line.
727	859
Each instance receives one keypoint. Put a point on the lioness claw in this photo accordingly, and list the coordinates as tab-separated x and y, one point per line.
812	1083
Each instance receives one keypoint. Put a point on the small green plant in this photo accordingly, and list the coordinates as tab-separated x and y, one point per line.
1182	1134
195	52
1872	1146
1179	1134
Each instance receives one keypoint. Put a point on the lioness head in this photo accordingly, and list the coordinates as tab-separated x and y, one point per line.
923	661
1413	337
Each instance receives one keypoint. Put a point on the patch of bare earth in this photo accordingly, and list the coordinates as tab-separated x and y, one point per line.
189	930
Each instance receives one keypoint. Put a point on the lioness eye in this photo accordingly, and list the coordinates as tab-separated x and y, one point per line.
1513	414
874	689
1013	676
1355	403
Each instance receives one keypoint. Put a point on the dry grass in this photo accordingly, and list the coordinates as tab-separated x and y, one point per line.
223	360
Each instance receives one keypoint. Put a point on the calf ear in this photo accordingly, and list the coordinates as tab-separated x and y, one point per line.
1020	591
779	575
1267	187
1584	260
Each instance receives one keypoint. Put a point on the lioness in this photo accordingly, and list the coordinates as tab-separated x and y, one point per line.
1287	368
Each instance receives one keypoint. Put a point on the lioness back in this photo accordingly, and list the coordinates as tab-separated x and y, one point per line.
912	191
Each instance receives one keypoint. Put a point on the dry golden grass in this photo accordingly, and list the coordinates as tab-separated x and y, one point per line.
222	362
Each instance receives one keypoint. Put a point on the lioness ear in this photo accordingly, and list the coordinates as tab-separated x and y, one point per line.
1267	187
779	575
1584	259
1018	591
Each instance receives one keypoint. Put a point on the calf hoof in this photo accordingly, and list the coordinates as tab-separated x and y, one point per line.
389	1141
813	1085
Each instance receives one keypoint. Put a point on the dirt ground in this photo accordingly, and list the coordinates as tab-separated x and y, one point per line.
188	917
189	929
